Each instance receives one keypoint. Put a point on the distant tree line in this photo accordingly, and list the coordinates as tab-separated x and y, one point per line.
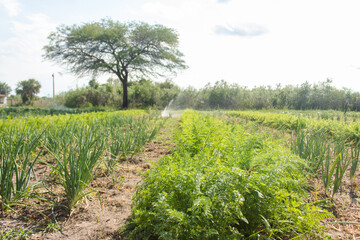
223	95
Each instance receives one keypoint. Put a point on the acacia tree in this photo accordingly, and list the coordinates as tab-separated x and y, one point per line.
122	49
27	89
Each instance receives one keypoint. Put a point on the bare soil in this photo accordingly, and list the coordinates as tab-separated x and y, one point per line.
346	209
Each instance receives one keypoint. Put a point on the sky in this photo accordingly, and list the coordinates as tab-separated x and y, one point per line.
248	42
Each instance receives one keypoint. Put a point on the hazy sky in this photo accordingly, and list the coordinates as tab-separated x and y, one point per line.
249	42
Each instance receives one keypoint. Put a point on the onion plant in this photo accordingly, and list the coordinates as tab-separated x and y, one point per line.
312	147
78	160
342	161
17	145
355	154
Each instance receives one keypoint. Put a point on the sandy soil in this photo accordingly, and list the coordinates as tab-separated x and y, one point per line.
346	210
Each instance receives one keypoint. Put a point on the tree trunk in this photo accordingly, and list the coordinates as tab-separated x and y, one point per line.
123	77
125	103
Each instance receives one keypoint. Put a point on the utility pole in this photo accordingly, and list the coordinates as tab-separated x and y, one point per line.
53	77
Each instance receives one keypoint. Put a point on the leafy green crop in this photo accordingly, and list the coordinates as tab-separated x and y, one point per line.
223	183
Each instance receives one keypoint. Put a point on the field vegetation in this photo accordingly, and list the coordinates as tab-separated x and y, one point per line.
75	149
222	183
331	150
226	178
21	112
272	163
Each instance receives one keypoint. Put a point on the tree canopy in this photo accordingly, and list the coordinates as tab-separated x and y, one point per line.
5	88
27	89
108	46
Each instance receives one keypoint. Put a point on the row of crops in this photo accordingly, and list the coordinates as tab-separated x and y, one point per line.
224	183
15	112
346	117
350	131
73	146
330	148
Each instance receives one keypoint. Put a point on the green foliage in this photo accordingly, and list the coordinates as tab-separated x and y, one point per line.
14	233
5	88
128	135
311	146
223	95
223	183
116	48
142	94
328	146
21	112
77	142
346	131
16	163
80	152
27	89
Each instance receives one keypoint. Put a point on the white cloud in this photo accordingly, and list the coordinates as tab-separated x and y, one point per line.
246	30
28	38
12	7
21	55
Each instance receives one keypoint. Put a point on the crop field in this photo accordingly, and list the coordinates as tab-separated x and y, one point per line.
196	175
50	164
16	112
331	149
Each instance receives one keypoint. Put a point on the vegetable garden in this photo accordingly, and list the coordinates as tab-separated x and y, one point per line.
224	179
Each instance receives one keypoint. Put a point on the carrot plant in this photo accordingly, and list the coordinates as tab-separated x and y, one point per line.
223	183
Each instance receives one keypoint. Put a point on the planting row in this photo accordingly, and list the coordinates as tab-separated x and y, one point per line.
223	183
14	112
328	157
72	146
350	131
345	117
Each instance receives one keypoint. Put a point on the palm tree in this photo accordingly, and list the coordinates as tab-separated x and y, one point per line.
27	89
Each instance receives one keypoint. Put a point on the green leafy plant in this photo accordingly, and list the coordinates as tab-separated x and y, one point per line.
222	183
